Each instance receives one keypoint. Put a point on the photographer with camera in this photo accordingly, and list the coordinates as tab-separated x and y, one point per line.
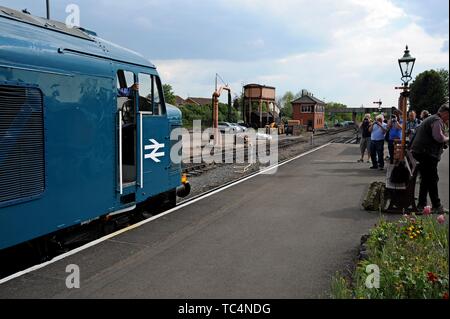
365	138
378	131
395	135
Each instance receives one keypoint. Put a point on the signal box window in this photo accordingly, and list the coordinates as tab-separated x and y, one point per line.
150	94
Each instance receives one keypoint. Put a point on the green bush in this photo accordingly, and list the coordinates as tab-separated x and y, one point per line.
412	255
204	113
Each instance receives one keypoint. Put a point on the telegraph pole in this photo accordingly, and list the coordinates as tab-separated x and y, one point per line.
379	105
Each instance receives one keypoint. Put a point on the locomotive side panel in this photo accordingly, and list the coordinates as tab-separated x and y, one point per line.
79	121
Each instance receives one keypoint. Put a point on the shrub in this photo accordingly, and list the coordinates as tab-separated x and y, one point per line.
412	255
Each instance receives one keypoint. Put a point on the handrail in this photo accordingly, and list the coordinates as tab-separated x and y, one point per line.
120	154
141	150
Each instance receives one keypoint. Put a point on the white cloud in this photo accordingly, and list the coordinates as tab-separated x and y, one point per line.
379	13
358	66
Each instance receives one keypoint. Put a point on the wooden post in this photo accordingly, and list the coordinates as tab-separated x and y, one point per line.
405	119
403	105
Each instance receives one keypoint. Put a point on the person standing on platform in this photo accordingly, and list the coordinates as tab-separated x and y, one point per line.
411	125
365	138
378	131
395	135
427	147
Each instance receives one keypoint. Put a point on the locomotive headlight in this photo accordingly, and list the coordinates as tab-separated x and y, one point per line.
185	189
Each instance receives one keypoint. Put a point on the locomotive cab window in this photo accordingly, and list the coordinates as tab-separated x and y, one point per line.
150	95
126	92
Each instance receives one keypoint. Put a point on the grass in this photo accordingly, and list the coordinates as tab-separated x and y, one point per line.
412	256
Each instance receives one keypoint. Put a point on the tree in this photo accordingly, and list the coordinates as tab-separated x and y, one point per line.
237	102
428	92
340	116
286	104
444	76
169	96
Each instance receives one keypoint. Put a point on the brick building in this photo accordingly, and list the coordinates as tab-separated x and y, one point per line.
310	111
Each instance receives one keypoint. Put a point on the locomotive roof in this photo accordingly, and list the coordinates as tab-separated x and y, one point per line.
81	40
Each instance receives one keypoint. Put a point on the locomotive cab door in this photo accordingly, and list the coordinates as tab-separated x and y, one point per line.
153	139
144	138
127	132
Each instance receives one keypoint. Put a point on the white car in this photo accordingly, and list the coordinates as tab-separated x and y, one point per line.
241	127
225	127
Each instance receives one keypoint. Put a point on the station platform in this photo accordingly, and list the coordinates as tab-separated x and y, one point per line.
271	236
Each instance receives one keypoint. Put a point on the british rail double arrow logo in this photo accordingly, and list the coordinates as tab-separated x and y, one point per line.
154	147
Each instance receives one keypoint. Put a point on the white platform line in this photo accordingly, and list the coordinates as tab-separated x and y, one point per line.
100	240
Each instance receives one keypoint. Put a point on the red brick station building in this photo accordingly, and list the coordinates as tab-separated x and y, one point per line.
310	111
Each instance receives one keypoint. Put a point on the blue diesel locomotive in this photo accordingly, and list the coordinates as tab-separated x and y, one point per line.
84	130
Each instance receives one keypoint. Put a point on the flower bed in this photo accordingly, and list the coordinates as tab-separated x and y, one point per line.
412	258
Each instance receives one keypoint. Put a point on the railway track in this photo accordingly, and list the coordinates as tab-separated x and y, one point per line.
196	166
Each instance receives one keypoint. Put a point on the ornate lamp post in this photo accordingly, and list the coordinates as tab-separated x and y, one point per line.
406	64
403	199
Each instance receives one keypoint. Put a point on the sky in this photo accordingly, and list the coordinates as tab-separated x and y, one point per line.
343	51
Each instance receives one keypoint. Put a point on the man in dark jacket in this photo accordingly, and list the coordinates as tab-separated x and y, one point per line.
365	138
427	147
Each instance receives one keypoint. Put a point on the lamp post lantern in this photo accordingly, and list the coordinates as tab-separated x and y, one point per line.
406	64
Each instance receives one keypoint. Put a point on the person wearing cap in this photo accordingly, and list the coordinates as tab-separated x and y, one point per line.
427	147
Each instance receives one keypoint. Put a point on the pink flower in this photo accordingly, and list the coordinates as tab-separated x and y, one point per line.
441	219
427	210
